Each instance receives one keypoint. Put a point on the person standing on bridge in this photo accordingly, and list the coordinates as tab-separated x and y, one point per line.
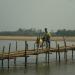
46	38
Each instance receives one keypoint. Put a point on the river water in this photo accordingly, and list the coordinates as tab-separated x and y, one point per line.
43	68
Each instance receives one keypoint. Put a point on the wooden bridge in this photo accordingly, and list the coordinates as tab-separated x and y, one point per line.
36	51
23	53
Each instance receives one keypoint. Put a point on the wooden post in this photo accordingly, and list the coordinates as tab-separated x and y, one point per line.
15	57
72	54
26	48
37	54
3	56
9	54
59	53
56	51
65	52
49	46
34	46
42	46
46	53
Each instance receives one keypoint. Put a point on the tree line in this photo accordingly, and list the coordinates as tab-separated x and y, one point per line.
24	32
65	32
34	32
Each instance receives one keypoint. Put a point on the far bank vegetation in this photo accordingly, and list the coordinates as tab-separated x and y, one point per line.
35	32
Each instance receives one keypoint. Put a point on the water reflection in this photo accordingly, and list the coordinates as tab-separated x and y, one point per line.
41	69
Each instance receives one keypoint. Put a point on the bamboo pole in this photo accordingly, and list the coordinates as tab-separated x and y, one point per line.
26	48
65	52
56	51
37	54
48	56
34	46
42	46
9	54
15	57
59	53
49	46
72	53
3	56
46	53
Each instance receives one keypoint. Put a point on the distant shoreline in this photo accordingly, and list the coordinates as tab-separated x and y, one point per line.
33	38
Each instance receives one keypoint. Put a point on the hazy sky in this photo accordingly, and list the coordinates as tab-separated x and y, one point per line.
53	14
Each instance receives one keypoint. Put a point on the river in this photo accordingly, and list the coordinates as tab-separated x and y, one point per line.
43	68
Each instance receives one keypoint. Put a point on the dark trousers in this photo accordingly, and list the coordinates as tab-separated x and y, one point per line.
47	43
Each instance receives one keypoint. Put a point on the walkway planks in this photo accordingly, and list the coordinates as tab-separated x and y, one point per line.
21	53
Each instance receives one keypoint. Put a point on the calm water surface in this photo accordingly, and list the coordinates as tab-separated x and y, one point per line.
43	68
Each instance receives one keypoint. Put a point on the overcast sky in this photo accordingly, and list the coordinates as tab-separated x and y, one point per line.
53	14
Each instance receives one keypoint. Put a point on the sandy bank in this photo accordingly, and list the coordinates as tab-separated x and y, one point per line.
33	38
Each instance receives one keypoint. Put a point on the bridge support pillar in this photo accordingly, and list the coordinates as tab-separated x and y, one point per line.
9	54
3	56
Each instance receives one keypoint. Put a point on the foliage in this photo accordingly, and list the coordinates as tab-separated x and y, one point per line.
34	32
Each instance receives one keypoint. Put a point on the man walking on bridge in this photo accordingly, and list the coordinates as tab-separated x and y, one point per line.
46	38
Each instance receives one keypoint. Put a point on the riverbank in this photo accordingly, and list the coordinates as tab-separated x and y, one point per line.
33	38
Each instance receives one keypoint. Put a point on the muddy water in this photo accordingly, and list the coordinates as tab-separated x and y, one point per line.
43	68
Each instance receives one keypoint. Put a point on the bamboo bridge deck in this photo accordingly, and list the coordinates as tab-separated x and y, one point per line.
36	51
22	53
